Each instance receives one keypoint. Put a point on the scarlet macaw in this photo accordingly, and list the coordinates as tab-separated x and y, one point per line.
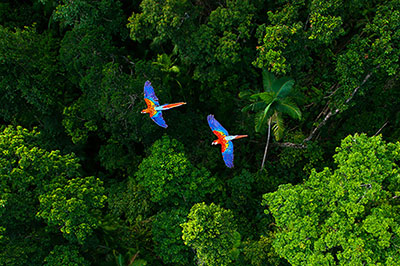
153	106
224	139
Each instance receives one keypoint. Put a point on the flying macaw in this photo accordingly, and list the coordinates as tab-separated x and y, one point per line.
153	106
224	139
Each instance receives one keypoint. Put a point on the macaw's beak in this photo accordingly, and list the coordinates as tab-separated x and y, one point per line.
213	143
143	111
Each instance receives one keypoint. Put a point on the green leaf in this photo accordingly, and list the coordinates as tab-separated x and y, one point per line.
267	97
268	79
265	114
278	127
254	107
261	117
174	69
283	87
120	260
289	108
165	60
244	94
256	96
258	122
139	262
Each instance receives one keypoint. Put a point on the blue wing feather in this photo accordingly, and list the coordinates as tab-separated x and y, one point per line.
228	155
150	94
215	125
158	118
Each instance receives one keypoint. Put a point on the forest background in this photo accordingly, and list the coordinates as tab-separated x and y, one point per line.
86	179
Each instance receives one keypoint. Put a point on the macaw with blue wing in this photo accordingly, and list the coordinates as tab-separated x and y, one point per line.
224	139
154	109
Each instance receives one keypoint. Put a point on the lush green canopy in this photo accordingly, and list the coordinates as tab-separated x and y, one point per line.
349	215
86	179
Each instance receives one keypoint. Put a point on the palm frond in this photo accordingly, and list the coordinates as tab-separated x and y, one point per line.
268	80
262	117
254	107
267	97
259	121
244	94
278	127
286	106
283	87
255	96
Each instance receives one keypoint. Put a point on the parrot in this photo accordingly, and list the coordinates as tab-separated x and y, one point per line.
154	109
224	139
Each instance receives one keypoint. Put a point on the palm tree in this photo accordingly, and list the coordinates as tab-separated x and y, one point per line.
269	106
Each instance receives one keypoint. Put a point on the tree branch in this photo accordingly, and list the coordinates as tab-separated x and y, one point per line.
290	145
127	60
319	125
377	132
133	258
331	113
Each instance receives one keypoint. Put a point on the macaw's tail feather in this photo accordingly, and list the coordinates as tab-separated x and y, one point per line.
171	105
240	136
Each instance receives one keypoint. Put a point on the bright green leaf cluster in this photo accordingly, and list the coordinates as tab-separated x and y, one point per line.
348	214
168	175
323	26
39	183
74	206
212	232
167	235
65	255
261	252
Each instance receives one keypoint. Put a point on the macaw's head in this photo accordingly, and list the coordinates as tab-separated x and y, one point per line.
215	142
144	111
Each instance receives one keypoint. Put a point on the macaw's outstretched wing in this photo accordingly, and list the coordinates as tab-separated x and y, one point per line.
228	154
158	118
216	127
149	93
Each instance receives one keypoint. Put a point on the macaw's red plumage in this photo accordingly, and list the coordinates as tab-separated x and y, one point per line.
154	109
224	139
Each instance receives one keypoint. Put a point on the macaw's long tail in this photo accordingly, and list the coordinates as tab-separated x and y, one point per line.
240	136
171	105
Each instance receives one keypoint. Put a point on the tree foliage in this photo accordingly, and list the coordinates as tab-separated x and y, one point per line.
212	232
218	35
31	83
277	99
346	215
75	206
85	178
38	183
65	255
167	235
169	177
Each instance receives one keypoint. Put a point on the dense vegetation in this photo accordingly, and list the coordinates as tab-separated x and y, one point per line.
86	179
